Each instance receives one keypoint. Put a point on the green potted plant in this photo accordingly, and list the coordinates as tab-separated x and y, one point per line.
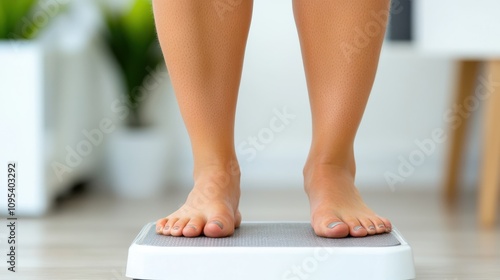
138	152
131	38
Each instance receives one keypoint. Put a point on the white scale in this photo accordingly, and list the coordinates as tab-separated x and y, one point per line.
269	251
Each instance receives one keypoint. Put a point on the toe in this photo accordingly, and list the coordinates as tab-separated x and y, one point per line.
332	228
168	226
387	224
179	227
355	227
218	227
193	228
379	225
368	225
160	224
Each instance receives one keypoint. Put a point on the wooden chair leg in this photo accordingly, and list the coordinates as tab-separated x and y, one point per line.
466	81
490	171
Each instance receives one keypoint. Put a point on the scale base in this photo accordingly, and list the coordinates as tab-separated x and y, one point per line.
269	251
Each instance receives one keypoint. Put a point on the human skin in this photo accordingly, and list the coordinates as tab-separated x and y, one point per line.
204	50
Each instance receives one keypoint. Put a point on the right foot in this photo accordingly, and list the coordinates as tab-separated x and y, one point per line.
210	209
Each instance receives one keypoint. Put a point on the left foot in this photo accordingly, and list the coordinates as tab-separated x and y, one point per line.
337	209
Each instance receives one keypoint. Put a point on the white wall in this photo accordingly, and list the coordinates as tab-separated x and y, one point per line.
458	28
409	98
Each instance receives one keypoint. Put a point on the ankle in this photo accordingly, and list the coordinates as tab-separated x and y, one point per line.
318	175
221	170
312	169
342	162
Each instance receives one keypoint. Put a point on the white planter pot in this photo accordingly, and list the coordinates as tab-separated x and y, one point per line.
137	162
46	99
38	120
22	123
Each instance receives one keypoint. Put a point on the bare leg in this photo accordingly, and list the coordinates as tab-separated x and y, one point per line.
204	43
340	69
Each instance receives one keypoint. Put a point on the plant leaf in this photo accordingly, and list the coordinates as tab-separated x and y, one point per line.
14	17
3	21
131	38
139	24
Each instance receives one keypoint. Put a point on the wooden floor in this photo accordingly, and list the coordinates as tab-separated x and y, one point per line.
87	236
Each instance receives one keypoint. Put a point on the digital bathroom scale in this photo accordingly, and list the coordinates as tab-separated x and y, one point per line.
269	251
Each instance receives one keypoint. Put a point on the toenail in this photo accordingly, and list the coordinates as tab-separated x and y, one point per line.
381	226
334	224
371	227
176	228
218	223
158	229
191	226
356	228
166	227
388	229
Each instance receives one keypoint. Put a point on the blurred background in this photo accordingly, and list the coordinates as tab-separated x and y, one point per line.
86	103
87	98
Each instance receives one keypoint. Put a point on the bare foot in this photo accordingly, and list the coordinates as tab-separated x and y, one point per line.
337	209
211	208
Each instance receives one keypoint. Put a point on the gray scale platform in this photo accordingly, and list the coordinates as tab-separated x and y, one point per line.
268	251
269	235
